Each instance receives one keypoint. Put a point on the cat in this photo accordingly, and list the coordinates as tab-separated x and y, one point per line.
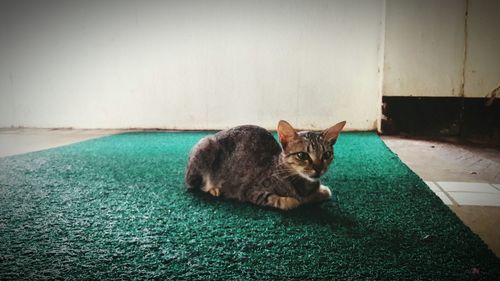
246	163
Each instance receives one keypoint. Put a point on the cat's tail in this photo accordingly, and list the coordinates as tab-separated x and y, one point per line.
200	159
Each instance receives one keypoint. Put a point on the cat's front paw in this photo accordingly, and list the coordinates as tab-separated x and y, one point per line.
322	194
283	203
325	192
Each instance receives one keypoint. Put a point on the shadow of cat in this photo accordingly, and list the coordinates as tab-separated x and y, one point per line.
326	213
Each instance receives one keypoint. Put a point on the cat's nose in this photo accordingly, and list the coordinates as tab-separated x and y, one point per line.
317	167
317	171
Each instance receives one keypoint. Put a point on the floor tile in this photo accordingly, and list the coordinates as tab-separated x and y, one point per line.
433	186
476	199
450	186
437	161
443	197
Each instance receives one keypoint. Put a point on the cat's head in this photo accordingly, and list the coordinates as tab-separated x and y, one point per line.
308	153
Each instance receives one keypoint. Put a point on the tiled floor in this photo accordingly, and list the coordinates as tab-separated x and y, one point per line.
467	179
466	193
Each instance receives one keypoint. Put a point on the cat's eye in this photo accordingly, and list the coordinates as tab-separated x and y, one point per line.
327	155
302	156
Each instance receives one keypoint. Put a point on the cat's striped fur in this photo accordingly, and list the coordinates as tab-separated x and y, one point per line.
246	163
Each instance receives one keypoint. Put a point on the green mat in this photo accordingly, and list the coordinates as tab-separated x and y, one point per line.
116	208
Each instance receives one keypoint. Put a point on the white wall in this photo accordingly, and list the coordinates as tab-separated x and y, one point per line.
424	47
482	67
432	49
190	64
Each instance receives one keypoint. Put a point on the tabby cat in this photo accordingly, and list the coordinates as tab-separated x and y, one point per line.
246	163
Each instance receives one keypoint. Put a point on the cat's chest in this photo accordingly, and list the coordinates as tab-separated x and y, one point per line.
307	188
289	185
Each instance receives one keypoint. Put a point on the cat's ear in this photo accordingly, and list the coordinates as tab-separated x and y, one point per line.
286	132
331	134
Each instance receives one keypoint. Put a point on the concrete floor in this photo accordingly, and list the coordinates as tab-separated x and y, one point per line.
466	178
22	140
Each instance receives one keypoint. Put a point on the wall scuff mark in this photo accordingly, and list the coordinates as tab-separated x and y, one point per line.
491	97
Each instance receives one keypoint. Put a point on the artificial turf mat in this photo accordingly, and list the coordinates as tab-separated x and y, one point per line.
116	208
